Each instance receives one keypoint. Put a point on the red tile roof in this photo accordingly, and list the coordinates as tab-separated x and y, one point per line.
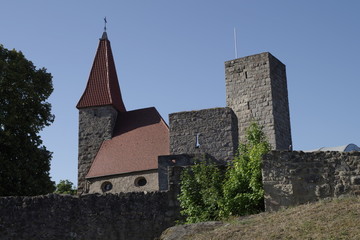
102	87
140	136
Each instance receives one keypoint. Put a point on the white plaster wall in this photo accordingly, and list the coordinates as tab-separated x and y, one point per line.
126	182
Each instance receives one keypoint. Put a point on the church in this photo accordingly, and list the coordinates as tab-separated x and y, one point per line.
118	149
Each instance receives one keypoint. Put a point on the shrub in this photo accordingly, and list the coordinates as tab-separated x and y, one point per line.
201	189
243	189
208	194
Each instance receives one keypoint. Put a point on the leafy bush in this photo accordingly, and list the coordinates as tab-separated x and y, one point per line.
208	194
201	189
243	189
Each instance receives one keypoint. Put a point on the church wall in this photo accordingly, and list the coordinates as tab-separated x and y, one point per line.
293	178
95	125
216	129
131	182
256	90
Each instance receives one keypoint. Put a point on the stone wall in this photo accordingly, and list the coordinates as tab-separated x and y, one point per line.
256	90
170	168
215	130
293	178
112	217
95	125
128	182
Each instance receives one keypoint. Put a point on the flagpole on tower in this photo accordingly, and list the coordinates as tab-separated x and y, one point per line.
235	44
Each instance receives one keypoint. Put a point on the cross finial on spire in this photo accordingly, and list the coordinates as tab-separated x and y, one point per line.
104	36
105	22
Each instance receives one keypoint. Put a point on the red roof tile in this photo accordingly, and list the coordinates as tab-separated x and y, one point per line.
140	136
102	87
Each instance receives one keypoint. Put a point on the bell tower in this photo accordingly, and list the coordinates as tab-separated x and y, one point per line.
98	109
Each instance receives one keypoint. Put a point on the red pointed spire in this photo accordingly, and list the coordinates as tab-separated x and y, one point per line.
103	86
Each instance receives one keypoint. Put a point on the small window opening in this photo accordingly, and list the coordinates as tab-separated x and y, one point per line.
140	182
106	186
246	75
197	144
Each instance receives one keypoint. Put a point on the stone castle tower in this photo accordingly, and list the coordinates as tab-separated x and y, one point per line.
98	108
256	90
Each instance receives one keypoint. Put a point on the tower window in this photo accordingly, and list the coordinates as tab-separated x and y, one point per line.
197	144
140	181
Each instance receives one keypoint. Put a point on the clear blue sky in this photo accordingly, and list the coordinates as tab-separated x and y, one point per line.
171	54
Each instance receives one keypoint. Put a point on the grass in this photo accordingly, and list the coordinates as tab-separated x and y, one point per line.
328	219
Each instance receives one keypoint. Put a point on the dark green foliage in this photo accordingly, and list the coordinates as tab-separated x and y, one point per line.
210	194
65	187
24	112
201	190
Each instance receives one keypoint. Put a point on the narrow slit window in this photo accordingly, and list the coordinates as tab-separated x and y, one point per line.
197	144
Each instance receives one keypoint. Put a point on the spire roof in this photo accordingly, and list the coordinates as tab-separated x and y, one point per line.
103	86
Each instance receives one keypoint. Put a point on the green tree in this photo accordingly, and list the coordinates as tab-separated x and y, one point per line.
243	189
24	112
201	189
65	187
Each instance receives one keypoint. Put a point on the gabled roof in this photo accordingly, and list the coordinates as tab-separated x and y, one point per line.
140	136
102	87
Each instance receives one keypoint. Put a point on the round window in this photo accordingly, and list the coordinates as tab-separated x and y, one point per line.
106	186
140	181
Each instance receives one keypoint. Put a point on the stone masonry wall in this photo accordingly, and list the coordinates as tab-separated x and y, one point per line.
280	103
217	129
95	125
130	216
293	178
256	90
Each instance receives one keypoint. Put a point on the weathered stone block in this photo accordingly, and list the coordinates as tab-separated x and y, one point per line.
323	191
